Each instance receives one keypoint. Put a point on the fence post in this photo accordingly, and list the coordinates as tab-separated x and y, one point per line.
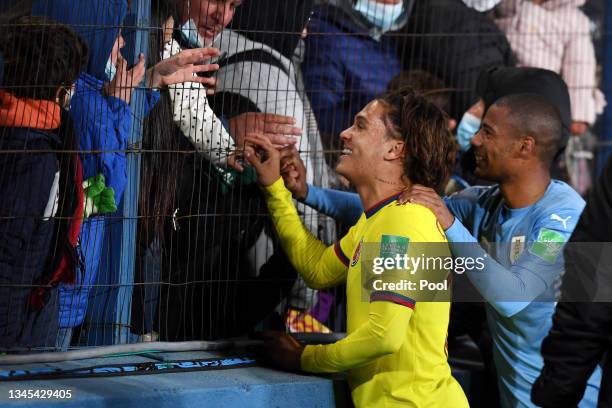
142	9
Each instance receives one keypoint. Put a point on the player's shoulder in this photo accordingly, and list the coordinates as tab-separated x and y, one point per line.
475	194
413	219
396	209
559	209
561	197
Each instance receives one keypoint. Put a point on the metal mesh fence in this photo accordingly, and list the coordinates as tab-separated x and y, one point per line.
122	217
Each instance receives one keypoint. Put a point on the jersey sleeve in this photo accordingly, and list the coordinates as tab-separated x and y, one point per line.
321	266
383	334
510	290
461	203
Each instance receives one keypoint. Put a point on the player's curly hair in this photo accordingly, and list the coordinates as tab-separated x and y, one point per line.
429	148
40	56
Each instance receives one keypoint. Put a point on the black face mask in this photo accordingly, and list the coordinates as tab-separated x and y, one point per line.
276	23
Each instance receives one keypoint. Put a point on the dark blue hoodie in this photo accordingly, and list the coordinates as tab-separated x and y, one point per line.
97	21
102	123
347	64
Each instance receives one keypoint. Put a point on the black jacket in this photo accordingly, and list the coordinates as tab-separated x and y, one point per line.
29	183
581	335
210	293
456	43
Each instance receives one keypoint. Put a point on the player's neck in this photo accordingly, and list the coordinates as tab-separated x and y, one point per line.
525	189
379	189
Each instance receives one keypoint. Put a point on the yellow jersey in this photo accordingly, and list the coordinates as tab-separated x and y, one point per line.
395	348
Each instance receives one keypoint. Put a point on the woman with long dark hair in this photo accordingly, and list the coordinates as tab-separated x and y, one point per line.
159	175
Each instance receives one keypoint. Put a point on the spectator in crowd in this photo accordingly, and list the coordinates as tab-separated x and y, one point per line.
428	85
555	35
102	116
396	140
200	24
579	338
219	282
37	250
260	72
455	43
159	177
202	21
350	58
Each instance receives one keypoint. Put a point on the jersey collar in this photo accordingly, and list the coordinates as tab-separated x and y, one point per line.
379	205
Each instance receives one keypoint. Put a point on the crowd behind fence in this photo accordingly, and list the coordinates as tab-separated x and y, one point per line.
128	211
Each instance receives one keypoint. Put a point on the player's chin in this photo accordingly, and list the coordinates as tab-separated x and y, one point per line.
481	167
486	174
343	168
481	172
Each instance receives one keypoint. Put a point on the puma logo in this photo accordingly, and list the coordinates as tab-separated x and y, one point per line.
555	217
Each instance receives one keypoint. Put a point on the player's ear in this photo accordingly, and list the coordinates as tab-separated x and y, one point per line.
527	146
394	150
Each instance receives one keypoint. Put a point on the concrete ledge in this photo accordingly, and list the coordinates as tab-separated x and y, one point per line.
240	387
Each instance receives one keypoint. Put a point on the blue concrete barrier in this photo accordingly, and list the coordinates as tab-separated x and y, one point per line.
241	387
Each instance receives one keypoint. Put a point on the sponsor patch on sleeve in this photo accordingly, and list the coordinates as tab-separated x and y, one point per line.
548	245
391	245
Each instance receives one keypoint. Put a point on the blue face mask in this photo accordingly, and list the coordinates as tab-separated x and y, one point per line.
468	127
380	15
189	30
110	70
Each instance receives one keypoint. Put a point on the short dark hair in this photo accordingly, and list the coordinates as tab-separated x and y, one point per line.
423	83
429	145
40	56
532	115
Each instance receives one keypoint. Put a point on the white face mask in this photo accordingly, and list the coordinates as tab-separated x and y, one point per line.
481	5
191	35
467	129
380	15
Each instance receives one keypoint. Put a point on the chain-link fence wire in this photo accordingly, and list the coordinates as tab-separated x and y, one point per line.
208	265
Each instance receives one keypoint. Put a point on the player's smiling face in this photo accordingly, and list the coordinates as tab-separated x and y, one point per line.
364	144
494	145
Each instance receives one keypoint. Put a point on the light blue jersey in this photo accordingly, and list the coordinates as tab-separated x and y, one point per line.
524	264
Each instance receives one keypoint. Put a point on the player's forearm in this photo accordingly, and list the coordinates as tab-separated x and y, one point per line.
383	334
342	206
508	291
311	258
